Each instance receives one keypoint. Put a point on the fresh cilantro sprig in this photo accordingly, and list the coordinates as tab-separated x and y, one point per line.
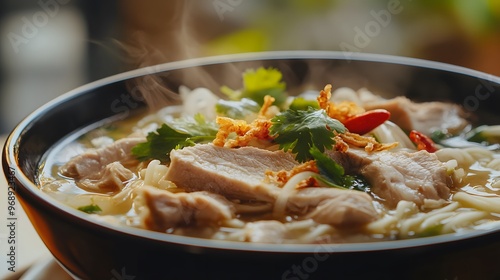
195	126
242	109
300	130
328	166
333	174
259	83
160	143
179	134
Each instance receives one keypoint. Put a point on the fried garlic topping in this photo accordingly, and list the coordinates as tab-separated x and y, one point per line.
341	111
245	132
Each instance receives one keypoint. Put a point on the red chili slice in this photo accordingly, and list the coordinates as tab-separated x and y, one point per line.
422	141
367	121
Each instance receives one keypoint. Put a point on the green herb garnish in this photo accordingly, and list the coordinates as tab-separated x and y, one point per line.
333	174
179	134
245	108
90	209
300	130
195	126
259	83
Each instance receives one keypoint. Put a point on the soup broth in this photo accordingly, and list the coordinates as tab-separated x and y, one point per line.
260	166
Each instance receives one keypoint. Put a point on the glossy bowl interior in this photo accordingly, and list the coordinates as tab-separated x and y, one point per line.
91	250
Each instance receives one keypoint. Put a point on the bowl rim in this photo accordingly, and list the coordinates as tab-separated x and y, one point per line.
13	140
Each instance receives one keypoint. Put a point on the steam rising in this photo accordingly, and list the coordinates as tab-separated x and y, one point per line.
161	32
165	31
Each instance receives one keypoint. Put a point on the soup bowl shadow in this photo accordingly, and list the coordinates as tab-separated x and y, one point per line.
89	249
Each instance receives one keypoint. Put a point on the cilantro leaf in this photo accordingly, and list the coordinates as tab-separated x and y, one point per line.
179	134
351	182
90	209
259	83
299	130
333	174
160	143
195	126
327	166
242	109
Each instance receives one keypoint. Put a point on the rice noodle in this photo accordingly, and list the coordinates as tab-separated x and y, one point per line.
461	220
314	234
489	204
473	204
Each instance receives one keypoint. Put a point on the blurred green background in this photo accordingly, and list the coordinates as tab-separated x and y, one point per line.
461	32
75	42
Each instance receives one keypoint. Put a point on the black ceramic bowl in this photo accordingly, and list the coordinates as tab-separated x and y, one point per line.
91	250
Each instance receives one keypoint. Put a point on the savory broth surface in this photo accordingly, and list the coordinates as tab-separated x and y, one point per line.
261	166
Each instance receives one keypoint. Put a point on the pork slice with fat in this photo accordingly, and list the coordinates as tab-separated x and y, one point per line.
399	175
164	210
94	160
425	117
112	178
332	206
235	173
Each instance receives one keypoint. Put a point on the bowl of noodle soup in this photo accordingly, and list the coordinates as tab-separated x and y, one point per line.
98	228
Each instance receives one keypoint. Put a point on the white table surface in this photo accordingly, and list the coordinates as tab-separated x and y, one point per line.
33	259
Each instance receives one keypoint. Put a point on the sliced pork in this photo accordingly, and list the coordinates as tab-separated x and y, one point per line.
425	117
235	173
112	179
94	160
239	174
332	206
396	176
165	210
